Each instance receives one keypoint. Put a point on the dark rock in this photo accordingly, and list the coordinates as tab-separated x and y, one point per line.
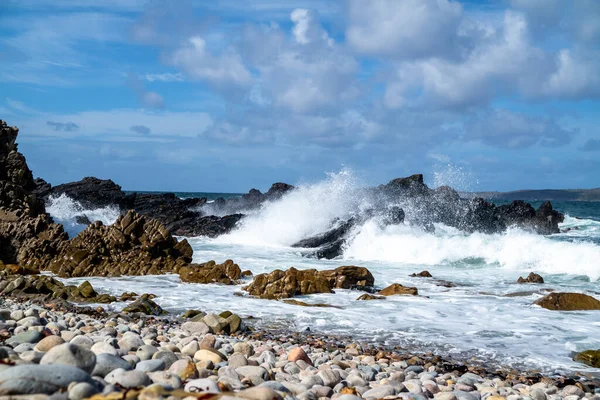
211	272
42	188
303	304
531	278
277	190
284	284
49	379
568	302
144	305
92	192
411	186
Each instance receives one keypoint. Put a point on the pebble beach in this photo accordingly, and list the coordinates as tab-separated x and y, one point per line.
59	351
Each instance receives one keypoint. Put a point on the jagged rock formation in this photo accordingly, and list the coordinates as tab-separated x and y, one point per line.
227	273
25	230
531	278
411	200
133	245
293	282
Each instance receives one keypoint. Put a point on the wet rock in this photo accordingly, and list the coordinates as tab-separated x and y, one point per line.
303	304
531	278
227	273
144	305
568	302
398	289
368	296
422	274
589	357
284	284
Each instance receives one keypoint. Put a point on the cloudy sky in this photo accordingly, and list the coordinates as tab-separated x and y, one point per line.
226	95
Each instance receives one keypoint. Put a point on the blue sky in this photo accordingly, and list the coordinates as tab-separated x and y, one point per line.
228	95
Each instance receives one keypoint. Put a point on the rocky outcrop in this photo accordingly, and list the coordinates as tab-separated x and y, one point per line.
26	232
568	302
531	278
227	273
293	282
44	288
133	245
92	192
397	289
544	220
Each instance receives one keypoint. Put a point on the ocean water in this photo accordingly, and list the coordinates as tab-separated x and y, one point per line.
486	315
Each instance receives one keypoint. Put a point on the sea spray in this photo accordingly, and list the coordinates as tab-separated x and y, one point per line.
66	211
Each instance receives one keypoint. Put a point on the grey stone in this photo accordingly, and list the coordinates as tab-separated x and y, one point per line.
167	357
82	391
70	354
275	386
32	336
572	390
460	395
259	393
202	385
128	379
237	360
103	347
146	352
130	341
82	341
48	379
150	365
166	379
195	328
380	392
106	363
444	396
348	397
330	377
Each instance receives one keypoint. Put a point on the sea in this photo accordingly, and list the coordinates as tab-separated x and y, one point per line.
485	317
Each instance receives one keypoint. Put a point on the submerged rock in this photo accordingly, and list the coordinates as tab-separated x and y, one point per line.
368	296
293	282
303	304
568	302
211	272
531	278
588	357
422	274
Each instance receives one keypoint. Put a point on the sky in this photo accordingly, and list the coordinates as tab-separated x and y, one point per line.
227	95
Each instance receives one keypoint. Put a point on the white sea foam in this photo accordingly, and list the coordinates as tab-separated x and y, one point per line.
65	210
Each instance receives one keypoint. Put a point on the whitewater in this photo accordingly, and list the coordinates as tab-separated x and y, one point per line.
485	315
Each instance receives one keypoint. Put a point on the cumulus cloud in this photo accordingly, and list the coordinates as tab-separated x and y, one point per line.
225	68
63	126
404	29
510	130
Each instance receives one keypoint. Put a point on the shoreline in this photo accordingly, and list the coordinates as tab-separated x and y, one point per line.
106	332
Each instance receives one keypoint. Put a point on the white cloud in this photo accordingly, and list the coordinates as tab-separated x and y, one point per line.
196	61
404	29
164	77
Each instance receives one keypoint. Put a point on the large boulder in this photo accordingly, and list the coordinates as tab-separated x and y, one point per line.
293	282
211	272
133	245
588	357
568	302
